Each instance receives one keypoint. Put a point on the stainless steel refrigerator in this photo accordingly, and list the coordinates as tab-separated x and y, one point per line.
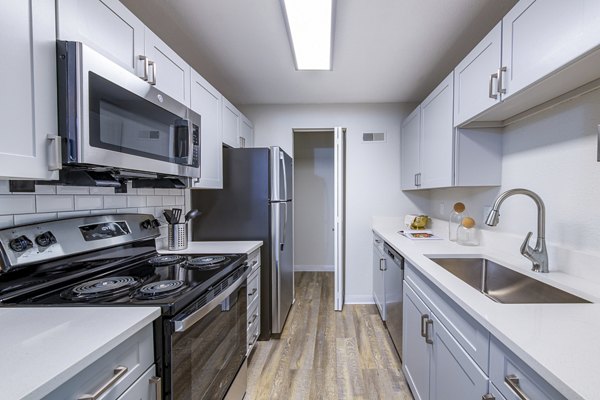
255	204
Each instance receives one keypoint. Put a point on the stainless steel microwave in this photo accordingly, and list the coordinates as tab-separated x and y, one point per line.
110	119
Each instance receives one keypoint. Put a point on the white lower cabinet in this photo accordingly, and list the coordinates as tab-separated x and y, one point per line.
378	271
253	300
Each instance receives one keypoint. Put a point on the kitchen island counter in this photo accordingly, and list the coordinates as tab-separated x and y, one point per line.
559	341
43	347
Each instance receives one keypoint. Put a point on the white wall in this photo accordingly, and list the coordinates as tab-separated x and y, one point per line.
553	154
313	200
372	170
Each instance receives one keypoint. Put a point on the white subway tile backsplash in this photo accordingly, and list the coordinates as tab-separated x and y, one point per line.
21	204
163	192
72	190
145	191
127	210
45	189
50	203
130	189
154	201
104	211
115	201
169	200
146	210
73	214
176	192
4	188
6	221
24	219
102	190
136	201
88	202
179	200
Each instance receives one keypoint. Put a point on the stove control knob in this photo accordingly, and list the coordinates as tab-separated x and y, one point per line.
45	239
155	223
146	224
20	244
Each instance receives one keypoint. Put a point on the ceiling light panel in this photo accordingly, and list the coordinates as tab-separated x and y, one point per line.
310	27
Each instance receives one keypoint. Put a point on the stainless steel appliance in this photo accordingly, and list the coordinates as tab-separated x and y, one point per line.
255	204
393	295
200	338
112	119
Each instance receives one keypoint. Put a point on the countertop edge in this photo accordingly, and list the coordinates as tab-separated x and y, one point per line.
205	247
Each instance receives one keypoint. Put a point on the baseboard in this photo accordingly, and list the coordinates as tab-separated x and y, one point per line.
314	268
359	299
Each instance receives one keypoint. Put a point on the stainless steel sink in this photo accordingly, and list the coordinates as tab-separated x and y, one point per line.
502	284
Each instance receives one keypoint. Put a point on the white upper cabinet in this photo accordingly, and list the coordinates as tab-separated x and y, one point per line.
246	138
206	101
28	107
476	78
105	25
111	29
231	124
410	150
542	36
166	70
437	136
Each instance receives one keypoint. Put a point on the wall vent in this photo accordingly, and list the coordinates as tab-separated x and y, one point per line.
369	137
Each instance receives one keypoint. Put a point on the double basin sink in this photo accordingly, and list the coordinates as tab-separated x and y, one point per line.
502	284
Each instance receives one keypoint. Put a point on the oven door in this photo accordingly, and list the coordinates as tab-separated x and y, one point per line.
208	345
115	119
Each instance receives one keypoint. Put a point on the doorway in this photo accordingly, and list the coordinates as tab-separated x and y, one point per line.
319	182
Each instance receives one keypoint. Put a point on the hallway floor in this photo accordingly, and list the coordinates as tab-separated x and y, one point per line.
324	354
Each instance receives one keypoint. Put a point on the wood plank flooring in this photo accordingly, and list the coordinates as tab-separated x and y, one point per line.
324	354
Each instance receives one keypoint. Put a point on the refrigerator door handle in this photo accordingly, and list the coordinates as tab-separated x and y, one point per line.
285	221
285	188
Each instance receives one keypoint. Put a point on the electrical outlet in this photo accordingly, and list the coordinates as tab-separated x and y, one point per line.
486	212
442	209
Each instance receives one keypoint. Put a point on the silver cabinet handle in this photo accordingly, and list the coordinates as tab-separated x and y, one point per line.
253	319
513	383
419	179
428	340
382	261
54	153
158	386
424	319
377	241
145	70
488	396
501	73
254	337
118	372
152	64
253	292
491	87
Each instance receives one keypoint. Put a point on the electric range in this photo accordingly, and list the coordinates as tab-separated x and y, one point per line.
111	260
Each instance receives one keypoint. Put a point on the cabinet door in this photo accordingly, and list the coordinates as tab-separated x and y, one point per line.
541	36
231	124
410	147
206	101
437	136
169	71
475	85
246	138
454	375
416	352
28	104
105	25
378	286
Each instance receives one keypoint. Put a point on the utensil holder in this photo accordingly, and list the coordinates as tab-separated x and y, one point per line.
177	237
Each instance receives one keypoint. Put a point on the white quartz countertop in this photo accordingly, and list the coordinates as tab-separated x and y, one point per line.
559	341
216	248
42	348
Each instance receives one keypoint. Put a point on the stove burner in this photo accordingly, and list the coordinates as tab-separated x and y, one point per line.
206	262
104	285
161	288
165	260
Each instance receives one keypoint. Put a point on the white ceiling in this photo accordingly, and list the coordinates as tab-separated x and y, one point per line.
384	50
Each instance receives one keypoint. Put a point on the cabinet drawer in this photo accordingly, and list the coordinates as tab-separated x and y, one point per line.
253	335
254	260
253	290
136	354
472	337
145	387
505	365
253	317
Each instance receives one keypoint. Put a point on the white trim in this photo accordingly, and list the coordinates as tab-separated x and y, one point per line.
359	299
314	268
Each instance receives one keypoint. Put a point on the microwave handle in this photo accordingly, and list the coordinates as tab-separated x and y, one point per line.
190	142
187	322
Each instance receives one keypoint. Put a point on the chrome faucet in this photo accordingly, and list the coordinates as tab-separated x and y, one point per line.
538	255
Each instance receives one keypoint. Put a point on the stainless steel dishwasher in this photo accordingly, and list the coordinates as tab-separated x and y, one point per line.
393	295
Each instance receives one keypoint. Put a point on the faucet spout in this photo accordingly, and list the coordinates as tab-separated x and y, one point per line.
538	255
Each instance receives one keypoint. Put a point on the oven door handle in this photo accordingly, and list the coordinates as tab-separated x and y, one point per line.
186	323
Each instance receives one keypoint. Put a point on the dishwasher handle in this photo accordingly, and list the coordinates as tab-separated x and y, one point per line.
393	255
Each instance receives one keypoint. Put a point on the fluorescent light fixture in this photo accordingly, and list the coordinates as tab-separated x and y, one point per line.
310	29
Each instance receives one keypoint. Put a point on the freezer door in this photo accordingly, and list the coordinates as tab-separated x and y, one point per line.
281	175
282	264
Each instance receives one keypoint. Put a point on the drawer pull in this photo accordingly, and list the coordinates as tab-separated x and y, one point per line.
253	319
158	386
424	319
254	337
253	292
118	374
428	340
513	383
488	396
